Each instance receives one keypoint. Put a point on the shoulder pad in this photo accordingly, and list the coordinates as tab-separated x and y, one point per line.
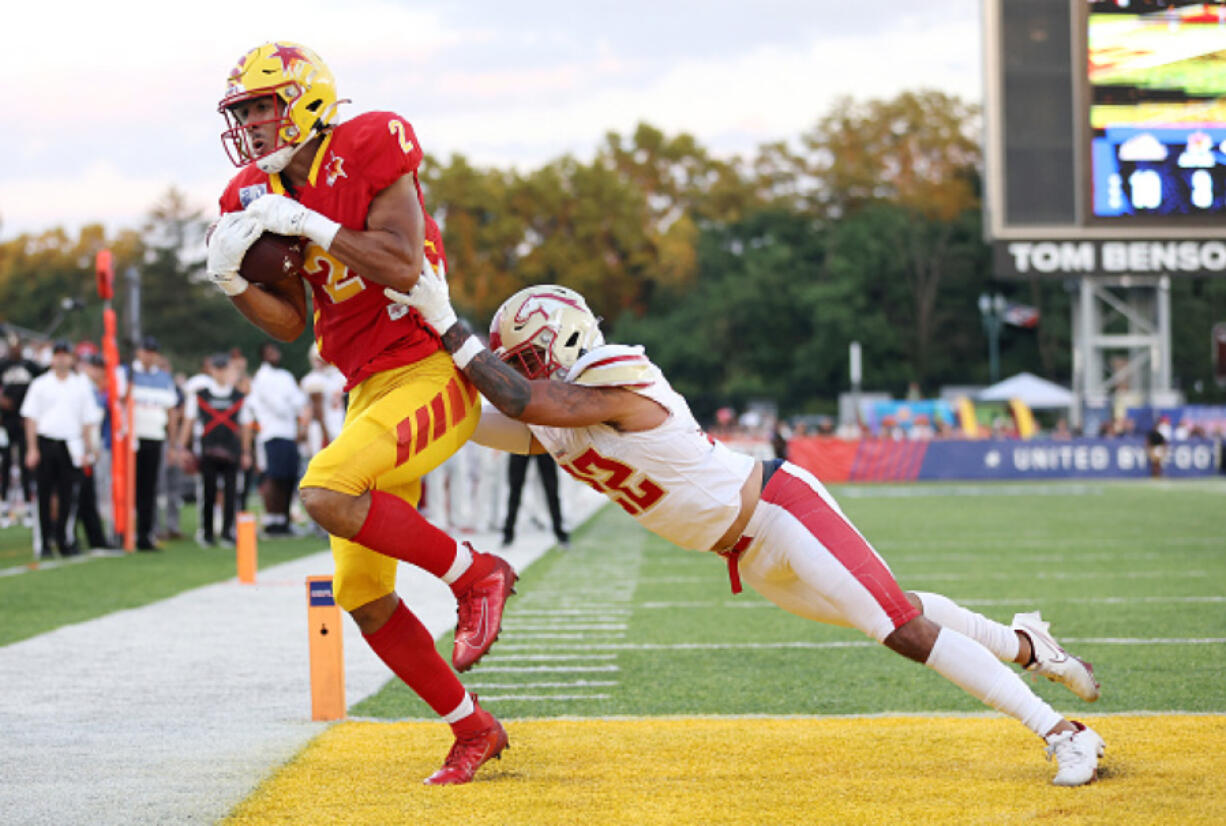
614	365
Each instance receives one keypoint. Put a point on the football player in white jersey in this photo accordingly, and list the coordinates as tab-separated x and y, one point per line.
610	419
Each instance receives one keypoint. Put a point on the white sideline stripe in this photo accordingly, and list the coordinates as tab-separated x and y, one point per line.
495	656
705	646
757	603
562	622
540	698
543	669
570	612
1148	640
898	548
1091	600
875	715
1059	575
574	684
517	626
757	646
51	564
603	635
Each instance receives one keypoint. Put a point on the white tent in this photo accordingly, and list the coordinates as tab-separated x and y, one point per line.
1035	392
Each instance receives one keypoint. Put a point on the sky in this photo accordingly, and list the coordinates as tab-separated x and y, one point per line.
117	102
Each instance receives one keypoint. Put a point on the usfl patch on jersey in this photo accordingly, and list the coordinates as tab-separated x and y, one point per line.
248	194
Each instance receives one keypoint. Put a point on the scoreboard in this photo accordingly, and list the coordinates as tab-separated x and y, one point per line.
1105	126
1157	115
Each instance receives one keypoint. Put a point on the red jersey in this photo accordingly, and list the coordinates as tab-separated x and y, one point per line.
356	327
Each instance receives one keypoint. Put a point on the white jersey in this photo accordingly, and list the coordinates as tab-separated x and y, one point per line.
674	479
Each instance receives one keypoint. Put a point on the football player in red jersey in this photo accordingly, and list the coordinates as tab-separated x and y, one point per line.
351	189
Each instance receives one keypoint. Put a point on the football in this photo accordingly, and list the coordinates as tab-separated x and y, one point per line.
273	257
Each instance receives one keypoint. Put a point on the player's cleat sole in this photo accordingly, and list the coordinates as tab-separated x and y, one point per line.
480	614
1053	662
1077	754
469	754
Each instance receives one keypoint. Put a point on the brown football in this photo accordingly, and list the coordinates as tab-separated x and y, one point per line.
273	257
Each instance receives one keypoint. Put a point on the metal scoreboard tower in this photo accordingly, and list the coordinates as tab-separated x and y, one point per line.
1105	150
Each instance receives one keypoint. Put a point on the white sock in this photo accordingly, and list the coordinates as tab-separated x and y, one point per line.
998	638
463	560
461	711
971	667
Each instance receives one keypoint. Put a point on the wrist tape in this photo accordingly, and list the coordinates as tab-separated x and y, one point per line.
467	352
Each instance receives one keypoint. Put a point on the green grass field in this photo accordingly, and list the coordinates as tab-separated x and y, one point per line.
1131	575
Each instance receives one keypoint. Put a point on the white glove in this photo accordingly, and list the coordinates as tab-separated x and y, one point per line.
285	216
231	237
429	296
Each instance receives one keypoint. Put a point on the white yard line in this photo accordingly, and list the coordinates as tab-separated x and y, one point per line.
751	603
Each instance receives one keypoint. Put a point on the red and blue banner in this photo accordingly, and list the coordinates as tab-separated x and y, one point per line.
883	460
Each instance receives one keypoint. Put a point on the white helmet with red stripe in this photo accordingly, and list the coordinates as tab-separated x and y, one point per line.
542	331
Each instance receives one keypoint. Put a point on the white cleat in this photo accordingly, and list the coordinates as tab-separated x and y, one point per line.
1077	753
1052	661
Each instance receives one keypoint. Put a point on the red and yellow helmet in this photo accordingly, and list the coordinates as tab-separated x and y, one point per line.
542	331
305	93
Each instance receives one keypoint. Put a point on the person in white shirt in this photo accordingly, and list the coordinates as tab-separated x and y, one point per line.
324	388
155	424
609	417
277	405
61	415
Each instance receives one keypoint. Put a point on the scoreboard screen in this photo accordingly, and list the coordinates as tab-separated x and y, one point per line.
1157	113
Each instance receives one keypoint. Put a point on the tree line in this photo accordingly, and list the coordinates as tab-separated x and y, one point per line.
745	278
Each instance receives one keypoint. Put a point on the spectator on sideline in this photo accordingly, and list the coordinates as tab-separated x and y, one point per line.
171	475
277	405
608	415
517	471
324	387
60	414
155	426
93	367
241	378
17	370
779	439
224	446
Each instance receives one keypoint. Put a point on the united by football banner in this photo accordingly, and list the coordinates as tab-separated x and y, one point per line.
880	460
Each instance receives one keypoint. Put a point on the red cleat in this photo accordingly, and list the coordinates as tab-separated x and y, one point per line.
469	753
480	613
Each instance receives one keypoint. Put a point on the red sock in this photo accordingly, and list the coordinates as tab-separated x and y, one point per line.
407	648
394	528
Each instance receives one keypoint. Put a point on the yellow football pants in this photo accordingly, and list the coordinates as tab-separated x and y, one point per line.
400	425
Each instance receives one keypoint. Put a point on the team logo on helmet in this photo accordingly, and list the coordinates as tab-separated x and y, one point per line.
543	331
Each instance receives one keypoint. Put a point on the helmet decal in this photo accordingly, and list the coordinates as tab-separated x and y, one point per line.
544	330
304	92
288	54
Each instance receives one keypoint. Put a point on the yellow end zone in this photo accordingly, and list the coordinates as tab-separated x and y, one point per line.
1164	769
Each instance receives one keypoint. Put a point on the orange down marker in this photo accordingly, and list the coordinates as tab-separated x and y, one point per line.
246	551
327	650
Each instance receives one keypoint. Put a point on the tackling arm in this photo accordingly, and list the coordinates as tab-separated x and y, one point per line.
552	403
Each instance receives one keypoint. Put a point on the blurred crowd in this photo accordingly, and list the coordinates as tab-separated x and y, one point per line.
232	433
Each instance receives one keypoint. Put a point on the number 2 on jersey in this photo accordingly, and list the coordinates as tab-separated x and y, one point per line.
397	128
627	487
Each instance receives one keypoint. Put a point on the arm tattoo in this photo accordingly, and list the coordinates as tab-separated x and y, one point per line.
508	390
